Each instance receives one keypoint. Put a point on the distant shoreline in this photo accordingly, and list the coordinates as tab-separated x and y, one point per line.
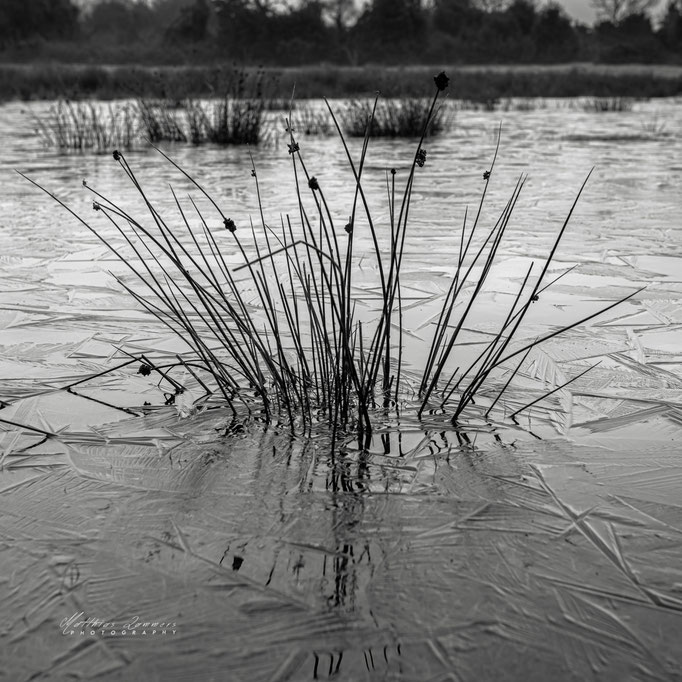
36	81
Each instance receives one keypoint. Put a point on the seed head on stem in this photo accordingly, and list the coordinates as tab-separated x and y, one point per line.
441	81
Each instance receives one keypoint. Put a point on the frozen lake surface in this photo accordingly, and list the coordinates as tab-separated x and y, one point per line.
549	550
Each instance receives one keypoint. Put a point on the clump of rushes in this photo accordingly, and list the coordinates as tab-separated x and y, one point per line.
608	104
235	118
300	353
160	121
405	117
79	126
227	121
310	119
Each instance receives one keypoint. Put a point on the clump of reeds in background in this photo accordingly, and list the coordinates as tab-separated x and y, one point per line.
70	126
235	118
226	121
309	119
400	117
280	333
160	121
608	104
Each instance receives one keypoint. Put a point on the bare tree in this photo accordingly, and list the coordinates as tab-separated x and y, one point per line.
617	10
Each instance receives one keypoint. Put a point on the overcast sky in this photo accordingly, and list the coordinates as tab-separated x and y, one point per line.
579	9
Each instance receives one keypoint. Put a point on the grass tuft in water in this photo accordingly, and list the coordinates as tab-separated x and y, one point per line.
406	117
237	117
309	119
226	121
273	317
160	121
608	104
78	126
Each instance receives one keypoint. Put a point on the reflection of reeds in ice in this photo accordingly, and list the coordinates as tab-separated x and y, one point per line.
282	334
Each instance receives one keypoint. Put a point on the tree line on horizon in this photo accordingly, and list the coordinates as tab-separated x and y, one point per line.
338	31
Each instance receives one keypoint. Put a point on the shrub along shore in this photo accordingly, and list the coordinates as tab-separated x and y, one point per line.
476	83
